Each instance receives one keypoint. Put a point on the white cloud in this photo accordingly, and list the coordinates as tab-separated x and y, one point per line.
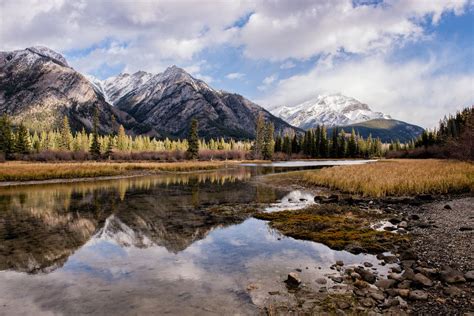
414	91
303	29
235	75
287	65
267	82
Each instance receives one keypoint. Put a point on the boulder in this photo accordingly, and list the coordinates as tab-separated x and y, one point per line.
385	283
423	280
418	295
450	275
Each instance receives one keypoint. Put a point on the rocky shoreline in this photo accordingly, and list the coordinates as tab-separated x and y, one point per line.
431	274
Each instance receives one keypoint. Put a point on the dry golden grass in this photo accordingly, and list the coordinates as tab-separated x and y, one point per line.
397	177
24	171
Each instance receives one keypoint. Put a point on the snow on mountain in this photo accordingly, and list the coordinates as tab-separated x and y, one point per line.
328	110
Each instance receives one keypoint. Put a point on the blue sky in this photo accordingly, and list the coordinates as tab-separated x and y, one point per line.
409	59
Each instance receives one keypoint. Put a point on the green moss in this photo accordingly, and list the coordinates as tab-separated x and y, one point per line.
337	227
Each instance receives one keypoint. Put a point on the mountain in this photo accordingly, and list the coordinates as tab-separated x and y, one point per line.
166	102
38	88
386	129
328	110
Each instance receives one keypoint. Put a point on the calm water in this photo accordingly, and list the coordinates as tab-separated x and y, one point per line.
152	245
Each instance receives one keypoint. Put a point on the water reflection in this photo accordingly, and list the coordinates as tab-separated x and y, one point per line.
180	244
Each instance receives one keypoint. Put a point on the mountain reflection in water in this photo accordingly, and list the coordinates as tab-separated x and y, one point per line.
179	244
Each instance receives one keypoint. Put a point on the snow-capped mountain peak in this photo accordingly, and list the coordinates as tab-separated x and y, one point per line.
329	110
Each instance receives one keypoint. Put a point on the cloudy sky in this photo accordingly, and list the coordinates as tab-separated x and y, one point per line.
412	59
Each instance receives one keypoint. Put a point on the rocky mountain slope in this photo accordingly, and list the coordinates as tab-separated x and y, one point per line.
328	110
165	103
38	88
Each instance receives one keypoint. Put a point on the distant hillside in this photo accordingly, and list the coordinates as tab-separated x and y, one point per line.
386	129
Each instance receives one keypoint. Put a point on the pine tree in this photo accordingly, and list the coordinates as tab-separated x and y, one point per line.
22	140
259	136
193	140
286	145
352	145
278	144
6	137
95	145
334	143
268	143
323	142
110	147
66	135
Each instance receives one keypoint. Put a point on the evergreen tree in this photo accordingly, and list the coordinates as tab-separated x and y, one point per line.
334	143
352	145
259	136
22	140
278	144
268	143
286	145
323	142
95	145
193	140
66	135
6	137
110	147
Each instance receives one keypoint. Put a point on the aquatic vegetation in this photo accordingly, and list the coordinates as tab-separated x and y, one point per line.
338	227
21	171
397	177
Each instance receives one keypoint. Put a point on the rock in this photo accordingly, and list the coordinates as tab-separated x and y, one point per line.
404	292
396	277
396	269
303	200
423	280
394	221
377	296
385	283
367	302
418	295
355	275
448	207
252	286
323	289
298	269
337	279
403	304
403	225
365	275
449	275
408	255
469	276
404	284
339	263
414	217
361	284
368	264
465	228
343	304
390	259
321	281
408	274
293	279
452	291
390	228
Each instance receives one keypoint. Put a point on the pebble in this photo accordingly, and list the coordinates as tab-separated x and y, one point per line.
293	279
469	275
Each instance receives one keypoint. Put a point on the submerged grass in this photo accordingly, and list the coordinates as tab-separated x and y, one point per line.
22	171
397	177
340	228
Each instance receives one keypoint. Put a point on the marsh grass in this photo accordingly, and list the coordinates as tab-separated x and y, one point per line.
22	171
397	178
340	228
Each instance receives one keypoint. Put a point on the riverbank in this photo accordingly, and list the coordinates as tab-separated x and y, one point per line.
429	206
16	172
